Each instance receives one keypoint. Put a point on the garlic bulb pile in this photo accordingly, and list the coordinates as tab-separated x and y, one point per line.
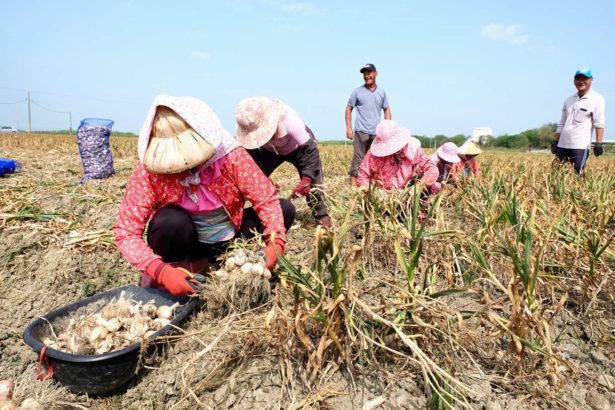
119	324
243	261
240	284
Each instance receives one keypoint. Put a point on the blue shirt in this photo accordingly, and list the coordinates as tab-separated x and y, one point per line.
369	105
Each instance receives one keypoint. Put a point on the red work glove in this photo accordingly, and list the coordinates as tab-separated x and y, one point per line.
175	280
302	188
435	188
271	258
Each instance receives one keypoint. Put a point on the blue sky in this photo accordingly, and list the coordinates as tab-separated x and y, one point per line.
447	66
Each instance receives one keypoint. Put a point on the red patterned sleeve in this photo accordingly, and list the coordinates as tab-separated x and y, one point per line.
259	190
474	168
429	169
363	176
135	210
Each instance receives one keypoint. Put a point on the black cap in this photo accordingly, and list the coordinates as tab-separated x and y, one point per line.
368	67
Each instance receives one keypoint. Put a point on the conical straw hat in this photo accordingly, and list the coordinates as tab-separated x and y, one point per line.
469	148
174	146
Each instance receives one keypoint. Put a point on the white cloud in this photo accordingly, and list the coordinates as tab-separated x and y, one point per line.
289	6
512	33
200	55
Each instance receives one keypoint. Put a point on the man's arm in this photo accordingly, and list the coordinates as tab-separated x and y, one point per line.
598	120
599	135
387	113
562	122
349	132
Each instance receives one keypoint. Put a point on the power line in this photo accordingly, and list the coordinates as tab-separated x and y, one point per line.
16	102
83	97
49	109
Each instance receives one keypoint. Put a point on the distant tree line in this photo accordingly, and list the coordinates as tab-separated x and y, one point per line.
537	138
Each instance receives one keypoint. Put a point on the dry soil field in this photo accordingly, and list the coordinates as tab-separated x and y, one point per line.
502	299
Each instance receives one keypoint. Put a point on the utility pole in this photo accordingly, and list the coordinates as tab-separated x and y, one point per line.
29	115
70	122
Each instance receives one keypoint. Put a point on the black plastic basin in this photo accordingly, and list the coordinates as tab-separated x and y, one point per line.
98	374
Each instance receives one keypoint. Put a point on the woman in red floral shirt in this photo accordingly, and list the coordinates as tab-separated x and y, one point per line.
191	185
468	166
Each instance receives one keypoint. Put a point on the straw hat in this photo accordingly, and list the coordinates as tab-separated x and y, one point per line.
448	152
390	138
257	121
469	148
174	146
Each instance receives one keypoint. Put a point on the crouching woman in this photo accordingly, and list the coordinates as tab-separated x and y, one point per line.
396	160
191	184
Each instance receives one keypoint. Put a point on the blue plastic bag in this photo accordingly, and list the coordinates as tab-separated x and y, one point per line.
93	140
9	166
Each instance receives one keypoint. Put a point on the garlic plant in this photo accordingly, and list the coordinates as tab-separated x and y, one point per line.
119	324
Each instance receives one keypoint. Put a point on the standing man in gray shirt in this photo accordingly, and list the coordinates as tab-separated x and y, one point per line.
369	101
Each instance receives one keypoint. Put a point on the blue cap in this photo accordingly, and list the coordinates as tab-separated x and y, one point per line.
584	71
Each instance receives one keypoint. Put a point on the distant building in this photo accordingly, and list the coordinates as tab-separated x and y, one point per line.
480	132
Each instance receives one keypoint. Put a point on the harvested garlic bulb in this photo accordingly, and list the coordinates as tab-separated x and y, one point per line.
258	269
113	325
240	257
267	274
166	312
30	404
96	334
230	263
246	268
160	322
6	389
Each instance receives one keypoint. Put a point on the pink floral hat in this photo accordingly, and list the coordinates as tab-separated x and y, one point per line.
448	152
413	147
257	121
390	138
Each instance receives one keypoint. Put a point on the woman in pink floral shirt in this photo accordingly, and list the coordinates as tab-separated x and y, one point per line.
191	185
446	159
395	160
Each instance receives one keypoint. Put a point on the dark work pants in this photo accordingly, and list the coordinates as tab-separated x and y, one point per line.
306	159
362	142
172	234
577	157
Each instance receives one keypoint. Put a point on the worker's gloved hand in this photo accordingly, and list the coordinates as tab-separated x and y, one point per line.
175	280
598	149
302	188
554	147
271	258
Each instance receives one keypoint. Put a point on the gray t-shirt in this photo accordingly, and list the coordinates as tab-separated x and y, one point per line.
369	105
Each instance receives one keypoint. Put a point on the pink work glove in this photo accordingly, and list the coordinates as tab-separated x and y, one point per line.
302	188
175	280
